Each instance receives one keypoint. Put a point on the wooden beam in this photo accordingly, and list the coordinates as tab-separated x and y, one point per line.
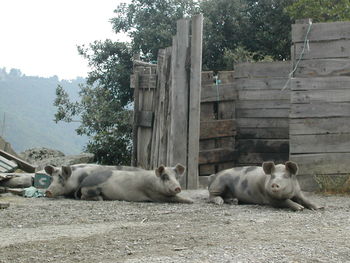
263	69
217	156
179	97
194	101
217	128
21	164
220	92
321	31
135	128
145	119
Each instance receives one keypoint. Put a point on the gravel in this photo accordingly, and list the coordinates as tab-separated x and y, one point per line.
64	230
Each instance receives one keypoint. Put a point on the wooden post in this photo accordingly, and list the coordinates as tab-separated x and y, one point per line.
179	103
194	101
135	125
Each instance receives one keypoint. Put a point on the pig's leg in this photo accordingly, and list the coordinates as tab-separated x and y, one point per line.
301	199
179	199
287	204
216	190
92	194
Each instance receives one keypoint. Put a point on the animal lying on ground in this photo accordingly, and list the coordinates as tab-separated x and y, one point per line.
66	179
159	185
271	184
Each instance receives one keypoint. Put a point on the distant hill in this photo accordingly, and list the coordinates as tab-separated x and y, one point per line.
26	102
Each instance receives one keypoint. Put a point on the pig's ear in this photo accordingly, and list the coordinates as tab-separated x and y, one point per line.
180	169
160	170
269	167
49	169
291	167
66	171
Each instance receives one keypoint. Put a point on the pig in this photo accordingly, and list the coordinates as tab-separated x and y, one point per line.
159	185
271	184
66	179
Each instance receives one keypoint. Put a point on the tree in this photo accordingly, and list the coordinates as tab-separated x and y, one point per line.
103	109
151	23
267	28
320	10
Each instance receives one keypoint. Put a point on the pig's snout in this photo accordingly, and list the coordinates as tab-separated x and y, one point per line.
275	187
48	194
177	190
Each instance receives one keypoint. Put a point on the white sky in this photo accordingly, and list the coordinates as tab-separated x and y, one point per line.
40	37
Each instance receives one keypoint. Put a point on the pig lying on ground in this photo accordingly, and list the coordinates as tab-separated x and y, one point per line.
271	184
159	185
66	179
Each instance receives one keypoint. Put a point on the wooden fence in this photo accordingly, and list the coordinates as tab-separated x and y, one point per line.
320	102
217	124
262	112
248	116
173	96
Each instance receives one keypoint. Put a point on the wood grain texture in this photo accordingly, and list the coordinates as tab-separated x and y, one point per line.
217	129
321	31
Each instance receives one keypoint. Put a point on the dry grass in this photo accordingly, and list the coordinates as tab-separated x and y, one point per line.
333	184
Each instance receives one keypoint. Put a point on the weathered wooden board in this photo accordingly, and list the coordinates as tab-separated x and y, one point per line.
207	144
207	169
263	95
266	104
262	133
217	128
323	68
325	49
246	158
194	101
226	110
262	122
260	83
224	166
207	111
261	113
207	78
219	92
320	110
262	146
263	69
225	77
322	163
226	142
319	125
7	165
179	98
321	31
320	83
322	143
21	164
216	156
145	118
321	96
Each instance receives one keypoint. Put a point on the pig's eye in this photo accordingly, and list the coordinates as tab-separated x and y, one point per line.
165	177
273	176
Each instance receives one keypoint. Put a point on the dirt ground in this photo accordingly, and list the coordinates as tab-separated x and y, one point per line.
64	230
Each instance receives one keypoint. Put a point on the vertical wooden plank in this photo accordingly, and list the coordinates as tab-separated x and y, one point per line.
179	118
165	96
135	126
194	101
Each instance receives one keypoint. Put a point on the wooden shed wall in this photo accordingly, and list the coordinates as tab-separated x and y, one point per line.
320	102
262	112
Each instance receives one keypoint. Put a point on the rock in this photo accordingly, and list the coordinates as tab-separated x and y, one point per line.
66	160
5	146
35	155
